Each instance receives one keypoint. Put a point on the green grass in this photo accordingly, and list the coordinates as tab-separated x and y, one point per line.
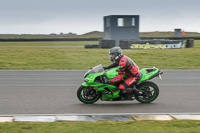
16	55
102	127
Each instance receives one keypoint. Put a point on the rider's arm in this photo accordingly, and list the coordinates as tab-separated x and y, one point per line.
112	65
122	67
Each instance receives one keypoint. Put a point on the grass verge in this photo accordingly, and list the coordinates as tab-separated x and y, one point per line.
16	55
102	127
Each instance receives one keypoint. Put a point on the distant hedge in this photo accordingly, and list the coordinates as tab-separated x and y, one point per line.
49	39
85	39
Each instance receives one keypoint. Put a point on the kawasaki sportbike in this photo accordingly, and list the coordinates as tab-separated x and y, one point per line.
94	88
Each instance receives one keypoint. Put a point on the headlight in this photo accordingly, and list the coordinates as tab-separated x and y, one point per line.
86	80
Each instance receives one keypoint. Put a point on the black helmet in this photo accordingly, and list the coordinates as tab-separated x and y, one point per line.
115	53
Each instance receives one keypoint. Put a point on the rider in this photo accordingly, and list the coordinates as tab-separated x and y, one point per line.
126	65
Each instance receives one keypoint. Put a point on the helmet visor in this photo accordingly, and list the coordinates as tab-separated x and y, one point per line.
112	57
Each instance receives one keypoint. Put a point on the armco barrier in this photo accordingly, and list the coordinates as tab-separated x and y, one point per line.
131	117
91	46
152	44
148	43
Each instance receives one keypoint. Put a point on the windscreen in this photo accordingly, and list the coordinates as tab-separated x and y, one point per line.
98	69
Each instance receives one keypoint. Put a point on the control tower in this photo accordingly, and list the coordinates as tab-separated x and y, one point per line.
120	27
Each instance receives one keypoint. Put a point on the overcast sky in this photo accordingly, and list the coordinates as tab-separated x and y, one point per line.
82	16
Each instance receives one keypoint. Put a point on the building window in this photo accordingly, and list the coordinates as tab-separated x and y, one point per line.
120	22
133	22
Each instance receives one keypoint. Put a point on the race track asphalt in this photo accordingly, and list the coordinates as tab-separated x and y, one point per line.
54	92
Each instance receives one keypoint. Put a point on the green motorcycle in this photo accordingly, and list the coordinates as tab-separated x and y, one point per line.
94	88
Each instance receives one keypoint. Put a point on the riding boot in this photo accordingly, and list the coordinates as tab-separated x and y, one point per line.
117	88
135	90
126	94
123	91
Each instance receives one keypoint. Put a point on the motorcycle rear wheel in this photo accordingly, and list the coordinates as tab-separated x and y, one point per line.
150	92
87	94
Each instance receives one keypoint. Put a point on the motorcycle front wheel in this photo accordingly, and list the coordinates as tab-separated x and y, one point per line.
87	94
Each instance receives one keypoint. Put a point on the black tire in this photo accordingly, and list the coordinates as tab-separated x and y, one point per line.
87	94
151	92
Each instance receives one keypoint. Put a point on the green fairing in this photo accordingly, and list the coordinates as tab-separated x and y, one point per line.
147	76
100	86
92	77
107	97
112	73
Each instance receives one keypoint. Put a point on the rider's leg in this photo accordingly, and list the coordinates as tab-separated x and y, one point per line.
123	87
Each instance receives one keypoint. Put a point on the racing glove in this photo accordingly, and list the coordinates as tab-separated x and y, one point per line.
106	80
105	67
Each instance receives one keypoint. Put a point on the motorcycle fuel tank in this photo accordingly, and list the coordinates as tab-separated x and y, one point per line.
112	73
